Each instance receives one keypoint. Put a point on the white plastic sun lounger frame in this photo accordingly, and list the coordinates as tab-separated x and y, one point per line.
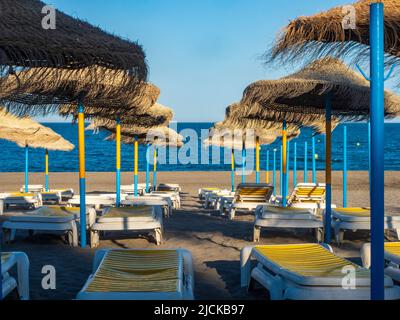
342	223
41	223
33	188
392	268
96	202
164	203
98	224
174	196
288	220
130	189
212	199
32	202
21	261
173	187
51	197
240	205
277	281
202	192
185	287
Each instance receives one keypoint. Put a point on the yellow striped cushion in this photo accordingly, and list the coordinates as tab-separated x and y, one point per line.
21	194
354	212
126	212
5	256
137	271
310	192
393	248
309	260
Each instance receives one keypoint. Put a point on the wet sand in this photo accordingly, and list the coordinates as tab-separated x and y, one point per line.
214	241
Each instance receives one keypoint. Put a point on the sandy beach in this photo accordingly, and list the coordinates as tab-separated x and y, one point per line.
214	241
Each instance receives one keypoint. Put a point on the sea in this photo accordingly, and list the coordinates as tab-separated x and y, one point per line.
100	154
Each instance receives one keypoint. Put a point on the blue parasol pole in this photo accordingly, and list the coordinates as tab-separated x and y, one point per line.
344	166
46	170
314	166
377	188
295	164
82	173
305	162
267	169
328	166
26	169
257	160
369	151
274	171
287	168
148	168
243	163
232	170
136	167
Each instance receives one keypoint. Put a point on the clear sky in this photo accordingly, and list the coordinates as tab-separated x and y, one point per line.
201	53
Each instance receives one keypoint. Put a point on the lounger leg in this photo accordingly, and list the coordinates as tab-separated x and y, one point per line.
94	238
232	213
319	235
159	237
189	274
74	234
245	266
256	234
398	234
13	233
23	275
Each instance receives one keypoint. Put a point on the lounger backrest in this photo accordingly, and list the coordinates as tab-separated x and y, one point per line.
253	193
303	193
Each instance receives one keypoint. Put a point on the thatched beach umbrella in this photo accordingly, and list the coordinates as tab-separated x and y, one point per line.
27	133
323	35
228	135
72	44
341	31
325	86
158	137
137	125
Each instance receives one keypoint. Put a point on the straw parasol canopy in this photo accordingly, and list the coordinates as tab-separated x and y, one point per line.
159	136
135	120
75	62
300	97
329	33
97	88
225	134
26	132
73	44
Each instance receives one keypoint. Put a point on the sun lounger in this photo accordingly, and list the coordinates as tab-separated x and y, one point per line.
212	199
269	216
20	199
392	258
164	202
33	188
306	195
66	194
130	189
9	260
308	272
174	196
359	219
49	219
248	197
94	201
51	197
169	187
135	218
203	191
140	274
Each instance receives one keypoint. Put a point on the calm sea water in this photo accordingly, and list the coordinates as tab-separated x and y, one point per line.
100	154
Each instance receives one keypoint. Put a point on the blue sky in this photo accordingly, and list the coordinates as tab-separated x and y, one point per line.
201	53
